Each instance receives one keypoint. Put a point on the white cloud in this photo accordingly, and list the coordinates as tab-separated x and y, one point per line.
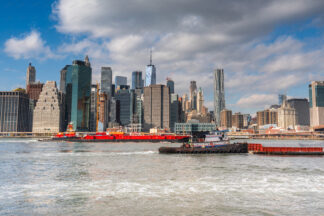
190	39
29	46
258	100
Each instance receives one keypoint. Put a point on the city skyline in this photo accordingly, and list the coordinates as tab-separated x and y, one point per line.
285	45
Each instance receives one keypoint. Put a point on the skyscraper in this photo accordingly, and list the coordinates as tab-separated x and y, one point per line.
301	106
192	89
78	92
170	84
219	95
14	112
156	107
31	75
137	80
120	80
63	78
174	110
150	75
124	96
106	80
93	108
316	103
200	101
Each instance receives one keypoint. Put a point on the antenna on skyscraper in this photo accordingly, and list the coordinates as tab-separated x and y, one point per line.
151	56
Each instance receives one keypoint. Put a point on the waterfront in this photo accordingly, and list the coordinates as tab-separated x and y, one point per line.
133	179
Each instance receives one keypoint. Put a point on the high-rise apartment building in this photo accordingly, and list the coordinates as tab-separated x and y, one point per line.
316	103
170	85
226	118
237	120
14	112
150	73
137	80
30	75
219	94
106	81
78	94
301	106
156	107
47	116
269	116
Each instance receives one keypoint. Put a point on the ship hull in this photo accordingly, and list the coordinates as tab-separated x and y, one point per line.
217	149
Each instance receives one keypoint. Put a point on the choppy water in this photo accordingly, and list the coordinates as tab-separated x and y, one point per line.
133	179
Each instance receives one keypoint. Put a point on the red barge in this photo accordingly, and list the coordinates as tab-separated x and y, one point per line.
120	137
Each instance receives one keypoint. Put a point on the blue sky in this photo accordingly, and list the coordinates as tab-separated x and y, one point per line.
265	47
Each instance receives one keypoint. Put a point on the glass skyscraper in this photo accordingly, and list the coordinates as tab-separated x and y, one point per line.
106	80
124	96
78	93
120	80
150	75
219	95
137	80
170	84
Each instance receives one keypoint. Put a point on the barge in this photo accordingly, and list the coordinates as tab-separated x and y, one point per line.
119	137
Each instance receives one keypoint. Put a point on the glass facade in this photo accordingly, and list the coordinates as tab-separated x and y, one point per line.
150	75
319	94
124	97
189	128
106	80
120	80
170	84
137	80
78	94
14	112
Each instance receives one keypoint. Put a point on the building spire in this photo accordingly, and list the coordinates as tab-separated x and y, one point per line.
151	56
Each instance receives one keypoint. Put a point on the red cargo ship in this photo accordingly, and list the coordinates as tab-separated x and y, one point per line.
121	137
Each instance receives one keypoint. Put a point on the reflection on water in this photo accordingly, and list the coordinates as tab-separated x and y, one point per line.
133	179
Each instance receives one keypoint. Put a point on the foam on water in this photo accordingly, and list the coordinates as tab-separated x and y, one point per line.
133	179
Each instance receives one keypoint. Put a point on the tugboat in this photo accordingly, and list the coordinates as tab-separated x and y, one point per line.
210	144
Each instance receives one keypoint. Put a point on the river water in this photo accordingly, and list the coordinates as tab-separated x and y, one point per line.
48	178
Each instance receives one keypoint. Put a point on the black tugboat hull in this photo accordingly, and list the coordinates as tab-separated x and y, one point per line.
222	149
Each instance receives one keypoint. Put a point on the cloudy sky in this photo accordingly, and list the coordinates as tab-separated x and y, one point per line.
265	47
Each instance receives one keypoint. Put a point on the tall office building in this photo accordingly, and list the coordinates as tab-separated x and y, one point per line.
14	112
93	108
31	75
174	110
219	94
170	85
63	78
156	107
316	103
124	96
226	118
137	80
120	81
106	81
150	73
34	90
200	101
78	94
48	110
103	110
192	89
301	106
